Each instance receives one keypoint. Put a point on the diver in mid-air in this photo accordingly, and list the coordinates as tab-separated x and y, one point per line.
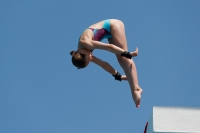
114	31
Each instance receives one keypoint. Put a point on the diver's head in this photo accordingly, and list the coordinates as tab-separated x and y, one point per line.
81	58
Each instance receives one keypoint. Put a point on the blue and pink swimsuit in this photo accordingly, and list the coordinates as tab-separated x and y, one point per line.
100	34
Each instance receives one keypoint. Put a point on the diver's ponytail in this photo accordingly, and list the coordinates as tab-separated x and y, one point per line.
72	52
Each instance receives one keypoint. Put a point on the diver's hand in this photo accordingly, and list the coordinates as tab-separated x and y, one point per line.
135	53
123	77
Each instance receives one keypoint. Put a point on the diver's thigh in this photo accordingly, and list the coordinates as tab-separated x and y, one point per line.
118	34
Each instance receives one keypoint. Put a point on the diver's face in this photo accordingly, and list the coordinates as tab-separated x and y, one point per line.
88	55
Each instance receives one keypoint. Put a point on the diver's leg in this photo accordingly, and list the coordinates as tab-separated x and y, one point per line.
128	65
110	40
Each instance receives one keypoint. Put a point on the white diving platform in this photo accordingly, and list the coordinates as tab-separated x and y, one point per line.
174	120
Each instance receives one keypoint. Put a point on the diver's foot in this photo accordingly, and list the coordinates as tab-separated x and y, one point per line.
137	96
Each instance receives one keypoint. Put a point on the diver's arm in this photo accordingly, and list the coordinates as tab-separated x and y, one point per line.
91	44
107	67
109	47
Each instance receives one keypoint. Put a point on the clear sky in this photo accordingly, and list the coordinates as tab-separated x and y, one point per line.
42	92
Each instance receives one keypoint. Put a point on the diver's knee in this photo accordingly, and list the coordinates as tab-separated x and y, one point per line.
124	61
120	59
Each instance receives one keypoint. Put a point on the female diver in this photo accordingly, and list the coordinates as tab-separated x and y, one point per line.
114	31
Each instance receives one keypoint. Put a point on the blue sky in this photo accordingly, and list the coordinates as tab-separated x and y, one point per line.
42	92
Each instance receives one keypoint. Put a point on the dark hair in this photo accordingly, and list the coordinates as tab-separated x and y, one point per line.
78	59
